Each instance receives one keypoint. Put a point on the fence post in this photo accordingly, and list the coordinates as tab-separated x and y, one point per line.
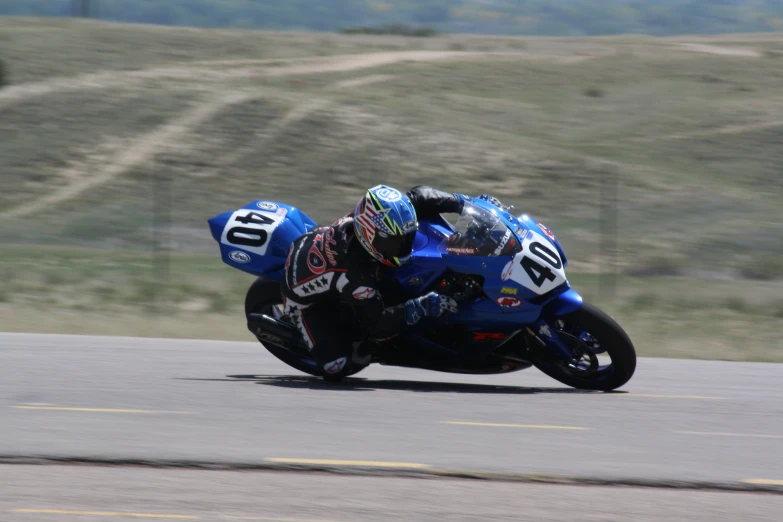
84	8
607	281
161	237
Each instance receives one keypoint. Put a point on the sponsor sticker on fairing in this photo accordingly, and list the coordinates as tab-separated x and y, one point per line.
547	231
266	205
507	271
488	336
508	302
455	250
507	290
238	256
503	242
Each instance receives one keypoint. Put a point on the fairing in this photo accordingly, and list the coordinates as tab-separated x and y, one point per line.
256	238
510	299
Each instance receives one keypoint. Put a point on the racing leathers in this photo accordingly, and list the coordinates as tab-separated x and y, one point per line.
328	265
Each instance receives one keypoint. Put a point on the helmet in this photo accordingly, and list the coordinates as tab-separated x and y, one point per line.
385	224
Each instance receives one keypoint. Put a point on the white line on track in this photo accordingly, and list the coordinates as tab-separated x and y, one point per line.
725	434
100	410
528	426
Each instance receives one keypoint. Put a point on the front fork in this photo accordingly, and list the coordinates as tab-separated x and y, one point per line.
544	335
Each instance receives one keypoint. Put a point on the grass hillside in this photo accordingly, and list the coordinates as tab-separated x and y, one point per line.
118	142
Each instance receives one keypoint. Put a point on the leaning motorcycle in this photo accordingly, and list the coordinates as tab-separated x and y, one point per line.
507	272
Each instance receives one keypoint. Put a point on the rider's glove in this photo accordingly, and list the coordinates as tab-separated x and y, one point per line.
461	199
431	305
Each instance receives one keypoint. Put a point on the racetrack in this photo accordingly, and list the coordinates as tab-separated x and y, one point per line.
123	401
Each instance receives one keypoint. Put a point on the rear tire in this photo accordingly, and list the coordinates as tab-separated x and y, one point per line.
612	339
262	295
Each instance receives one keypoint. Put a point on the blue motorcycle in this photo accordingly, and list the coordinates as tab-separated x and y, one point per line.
516	307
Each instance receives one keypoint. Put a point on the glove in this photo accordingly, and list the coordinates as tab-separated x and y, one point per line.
430	305
461	199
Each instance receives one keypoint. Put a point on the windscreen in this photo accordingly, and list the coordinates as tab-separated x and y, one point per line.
480	233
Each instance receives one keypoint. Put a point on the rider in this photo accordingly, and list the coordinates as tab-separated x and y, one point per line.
341	263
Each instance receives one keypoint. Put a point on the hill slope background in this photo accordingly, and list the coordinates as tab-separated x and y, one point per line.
117	142
523	17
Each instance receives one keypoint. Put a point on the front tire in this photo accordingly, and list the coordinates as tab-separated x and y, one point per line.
590	332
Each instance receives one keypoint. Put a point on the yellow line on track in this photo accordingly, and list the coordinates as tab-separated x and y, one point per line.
276	519
656	396
101	410
529	426
722	434
103	513
362	463
764	482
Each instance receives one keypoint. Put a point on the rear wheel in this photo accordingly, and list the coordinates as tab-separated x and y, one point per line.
603	355
263	297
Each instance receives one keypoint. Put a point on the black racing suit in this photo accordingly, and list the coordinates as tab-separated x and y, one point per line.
328	265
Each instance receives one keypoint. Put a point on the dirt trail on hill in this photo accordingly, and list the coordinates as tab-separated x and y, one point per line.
719	50
137	152
236	69
728	129
300	111
274	129
81	177
364	80
148	145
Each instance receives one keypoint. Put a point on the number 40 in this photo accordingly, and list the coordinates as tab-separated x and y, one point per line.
537	272
252	237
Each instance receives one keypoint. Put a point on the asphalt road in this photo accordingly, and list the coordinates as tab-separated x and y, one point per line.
221	402
93	494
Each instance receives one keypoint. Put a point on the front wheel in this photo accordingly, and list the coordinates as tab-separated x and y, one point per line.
604	356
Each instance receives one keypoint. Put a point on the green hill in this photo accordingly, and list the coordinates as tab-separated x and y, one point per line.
118	142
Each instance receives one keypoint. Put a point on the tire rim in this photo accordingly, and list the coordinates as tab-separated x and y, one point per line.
586	348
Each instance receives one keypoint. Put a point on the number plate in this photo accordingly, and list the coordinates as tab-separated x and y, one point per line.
538	266
251	230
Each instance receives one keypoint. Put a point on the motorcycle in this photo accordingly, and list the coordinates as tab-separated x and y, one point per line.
516	306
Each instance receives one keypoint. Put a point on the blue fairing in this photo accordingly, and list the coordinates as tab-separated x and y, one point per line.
429	262
291	224
565	303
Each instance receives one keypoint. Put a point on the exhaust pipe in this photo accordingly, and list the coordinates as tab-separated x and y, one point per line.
264	326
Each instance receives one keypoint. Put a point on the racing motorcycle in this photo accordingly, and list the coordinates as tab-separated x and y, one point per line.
507	272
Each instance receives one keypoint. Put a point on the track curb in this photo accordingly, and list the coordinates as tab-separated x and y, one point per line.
380	471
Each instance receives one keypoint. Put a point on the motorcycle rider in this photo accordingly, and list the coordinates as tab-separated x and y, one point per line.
340	263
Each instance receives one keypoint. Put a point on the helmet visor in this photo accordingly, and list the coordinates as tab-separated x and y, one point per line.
395	249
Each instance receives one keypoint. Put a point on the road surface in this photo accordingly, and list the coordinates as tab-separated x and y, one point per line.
124	401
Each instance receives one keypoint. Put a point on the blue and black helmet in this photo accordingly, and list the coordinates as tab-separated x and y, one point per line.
385	224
